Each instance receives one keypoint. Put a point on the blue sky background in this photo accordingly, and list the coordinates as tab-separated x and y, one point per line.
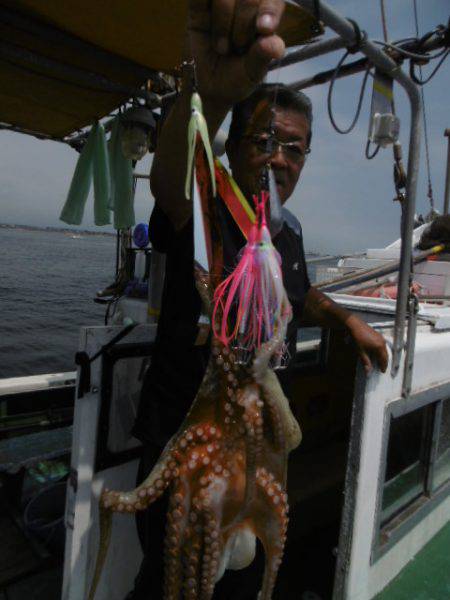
343	201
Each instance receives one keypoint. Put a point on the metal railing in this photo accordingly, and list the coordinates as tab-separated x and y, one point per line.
347	32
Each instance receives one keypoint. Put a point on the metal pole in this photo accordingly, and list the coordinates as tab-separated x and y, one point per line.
363	276
309	51
356	66
318	49
346	30
447	178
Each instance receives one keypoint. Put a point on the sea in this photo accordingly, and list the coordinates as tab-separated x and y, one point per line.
48	282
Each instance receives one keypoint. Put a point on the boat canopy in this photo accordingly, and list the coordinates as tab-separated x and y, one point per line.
64	65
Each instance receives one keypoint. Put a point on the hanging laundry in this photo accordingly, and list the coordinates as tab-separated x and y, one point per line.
122	194
93	163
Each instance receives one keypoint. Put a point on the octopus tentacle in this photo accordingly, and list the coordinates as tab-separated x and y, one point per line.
254	435
176	525
211	554
273	535
264	354
283	420
221	495
150	489
193	553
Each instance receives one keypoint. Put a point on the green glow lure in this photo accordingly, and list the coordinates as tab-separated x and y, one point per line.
198	129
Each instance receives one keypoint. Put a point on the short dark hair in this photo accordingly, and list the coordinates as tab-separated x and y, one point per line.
277	94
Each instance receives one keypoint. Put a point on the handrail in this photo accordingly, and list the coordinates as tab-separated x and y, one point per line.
35	383
309	51
346	30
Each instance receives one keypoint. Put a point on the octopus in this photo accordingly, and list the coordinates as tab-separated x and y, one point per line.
224	470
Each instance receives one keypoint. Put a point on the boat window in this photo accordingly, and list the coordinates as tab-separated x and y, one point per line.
442	465
417	464
405	461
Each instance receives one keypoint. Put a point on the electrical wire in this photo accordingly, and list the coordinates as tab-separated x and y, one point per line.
407	53
360	101
419	80
369	156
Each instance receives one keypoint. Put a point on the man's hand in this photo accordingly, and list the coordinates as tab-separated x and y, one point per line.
370	344
233	43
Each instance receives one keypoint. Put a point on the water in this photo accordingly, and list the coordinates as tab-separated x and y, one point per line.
47	284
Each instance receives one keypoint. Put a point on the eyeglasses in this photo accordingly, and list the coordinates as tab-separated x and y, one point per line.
268	144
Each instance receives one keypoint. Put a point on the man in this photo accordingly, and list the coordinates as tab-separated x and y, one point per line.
232	42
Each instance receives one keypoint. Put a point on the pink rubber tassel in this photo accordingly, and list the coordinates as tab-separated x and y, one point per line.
251	305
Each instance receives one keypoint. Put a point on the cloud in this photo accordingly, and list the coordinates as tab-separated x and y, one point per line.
343	200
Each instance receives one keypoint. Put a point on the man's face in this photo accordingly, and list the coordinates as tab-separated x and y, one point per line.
247	158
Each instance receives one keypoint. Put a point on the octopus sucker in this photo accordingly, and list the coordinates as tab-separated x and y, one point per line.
176	525
225	473
274	507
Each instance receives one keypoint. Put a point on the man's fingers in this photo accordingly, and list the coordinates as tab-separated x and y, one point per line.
269	16
253	18
222	16
367	363
383	359
261	53
244	27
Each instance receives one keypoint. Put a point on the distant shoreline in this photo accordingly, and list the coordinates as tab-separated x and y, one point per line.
18	227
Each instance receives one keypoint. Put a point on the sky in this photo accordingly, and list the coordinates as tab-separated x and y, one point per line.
345	202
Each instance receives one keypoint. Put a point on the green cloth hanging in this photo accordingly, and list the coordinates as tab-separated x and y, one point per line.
72	212
122	193
113	181
92	163
102	179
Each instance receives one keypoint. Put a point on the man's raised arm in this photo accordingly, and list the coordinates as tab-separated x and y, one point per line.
232	43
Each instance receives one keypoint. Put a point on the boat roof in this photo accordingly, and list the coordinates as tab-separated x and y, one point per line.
64	65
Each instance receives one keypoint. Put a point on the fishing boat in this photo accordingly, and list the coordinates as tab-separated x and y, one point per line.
370	484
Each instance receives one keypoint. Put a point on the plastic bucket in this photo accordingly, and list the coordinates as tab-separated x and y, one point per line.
44	517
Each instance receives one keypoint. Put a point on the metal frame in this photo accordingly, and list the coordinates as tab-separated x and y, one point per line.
350	485
309	51
105	458
346	30
319	48
447	175
419	508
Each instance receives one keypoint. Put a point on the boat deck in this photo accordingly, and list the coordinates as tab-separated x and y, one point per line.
426	577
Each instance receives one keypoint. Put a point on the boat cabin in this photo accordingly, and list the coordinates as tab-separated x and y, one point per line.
369	486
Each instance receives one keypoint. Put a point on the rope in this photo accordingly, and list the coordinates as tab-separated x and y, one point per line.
386	40
383	21
425	125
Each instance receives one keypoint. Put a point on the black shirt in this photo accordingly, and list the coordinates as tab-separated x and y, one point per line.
178	365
